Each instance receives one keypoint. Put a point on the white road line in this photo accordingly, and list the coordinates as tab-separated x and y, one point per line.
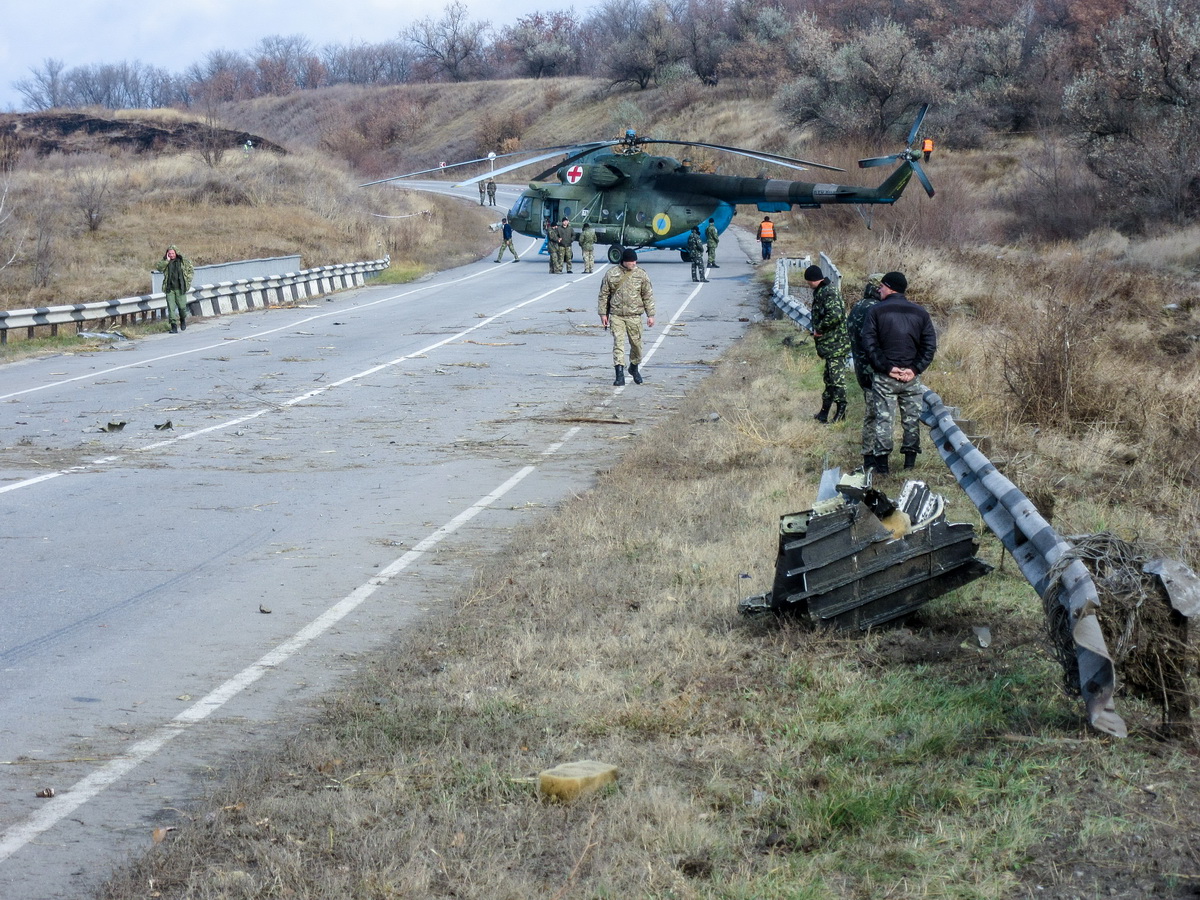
62	805
308	395
250	337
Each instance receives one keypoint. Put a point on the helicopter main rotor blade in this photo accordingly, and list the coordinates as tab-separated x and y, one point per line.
761	155
549	151
423	172
879	160
555	151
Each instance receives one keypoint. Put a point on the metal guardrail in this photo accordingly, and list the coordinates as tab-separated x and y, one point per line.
1034	544
209	299
1036	547
792	307
235	270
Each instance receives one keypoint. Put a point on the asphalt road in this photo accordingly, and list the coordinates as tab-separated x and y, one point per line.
175	594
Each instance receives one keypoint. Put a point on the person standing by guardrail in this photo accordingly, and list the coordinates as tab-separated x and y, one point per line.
833	346
899	340
863	373
177	281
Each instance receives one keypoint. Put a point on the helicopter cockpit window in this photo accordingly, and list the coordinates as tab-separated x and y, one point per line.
522	207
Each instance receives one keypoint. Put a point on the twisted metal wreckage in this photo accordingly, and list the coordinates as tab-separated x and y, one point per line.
857	560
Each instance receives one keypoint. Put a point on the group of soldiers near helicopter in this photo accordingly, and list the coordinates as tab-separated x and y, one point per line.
890	343
561	237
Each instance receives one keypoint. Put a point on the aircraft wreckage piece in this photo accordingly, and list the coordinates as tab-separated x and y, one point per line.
856	560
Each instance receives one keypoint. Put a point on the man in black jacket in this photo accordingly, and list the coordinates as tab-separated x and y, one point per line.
899	341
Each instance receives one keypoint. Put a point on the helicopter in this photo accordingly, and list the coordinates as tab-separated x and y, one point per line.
638	200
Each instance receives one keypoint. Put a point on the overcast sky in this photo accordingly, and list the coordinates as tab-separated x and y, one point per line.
175	35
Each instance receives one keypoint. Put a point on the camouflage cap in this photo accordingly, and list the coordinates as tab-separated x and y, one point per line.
875	278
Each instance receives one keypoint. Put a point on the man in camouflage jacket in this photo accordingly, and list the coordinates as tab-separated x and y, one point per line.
177	281
695	248
863	373
625	294
833	344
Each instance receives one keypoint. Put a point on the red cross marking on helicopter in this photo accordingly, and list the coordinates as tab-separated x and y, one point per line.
574	173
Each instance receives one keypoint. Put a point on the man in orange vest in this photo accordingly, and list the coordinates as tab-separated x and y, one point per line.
927	147
766	236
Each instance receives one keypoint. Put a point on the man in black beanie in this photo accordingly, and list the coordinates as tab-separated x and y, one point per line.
899	340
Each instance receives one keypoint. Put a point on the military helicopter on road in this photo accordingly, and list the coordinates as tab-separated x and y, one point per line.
635	199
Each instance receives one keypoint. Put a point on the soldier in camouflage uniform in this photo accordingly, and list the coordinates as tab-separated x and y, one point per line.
561	238
712	237
833	345
587	243
626	293
863	373
695	248
899	340
177	281
548	228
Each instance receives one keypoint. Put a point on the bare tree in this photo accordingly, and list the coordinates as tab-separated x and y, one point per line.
90	189
387	63
11	238
47	88
451	47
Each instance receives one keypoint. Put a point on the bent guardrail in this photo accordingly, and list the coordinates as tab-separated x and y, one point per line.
1036	547
205	300
1012	517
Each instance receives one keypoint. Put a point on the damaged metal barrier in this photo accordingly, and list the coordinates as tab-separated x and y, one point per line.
856	560
1036	548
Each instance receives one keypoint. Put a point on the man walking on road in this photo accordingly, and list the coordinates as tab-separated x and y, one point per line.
506	243
625	294
899	341
177	281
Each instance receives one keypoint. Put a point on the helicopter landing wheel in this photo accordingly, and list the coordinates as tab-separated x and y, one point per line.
614	253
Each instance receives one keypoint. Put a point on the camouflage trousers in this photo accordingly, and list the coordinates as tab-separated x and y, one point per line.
835	380
698	267
176	306
626	328
556	261
507	245
884	393
863	376
712	254
589	259
565	256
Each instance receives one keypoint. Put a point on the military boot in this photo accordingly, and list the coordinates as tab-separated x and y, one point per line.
839	411
637	376
910	459
881	464
823	415
619	381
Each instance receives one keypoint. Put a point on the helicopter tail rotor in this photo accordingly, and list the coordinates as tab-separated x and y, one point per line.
908	156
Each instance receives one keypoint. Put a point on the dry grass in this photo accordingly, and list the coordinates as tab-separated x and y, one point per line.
756	761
